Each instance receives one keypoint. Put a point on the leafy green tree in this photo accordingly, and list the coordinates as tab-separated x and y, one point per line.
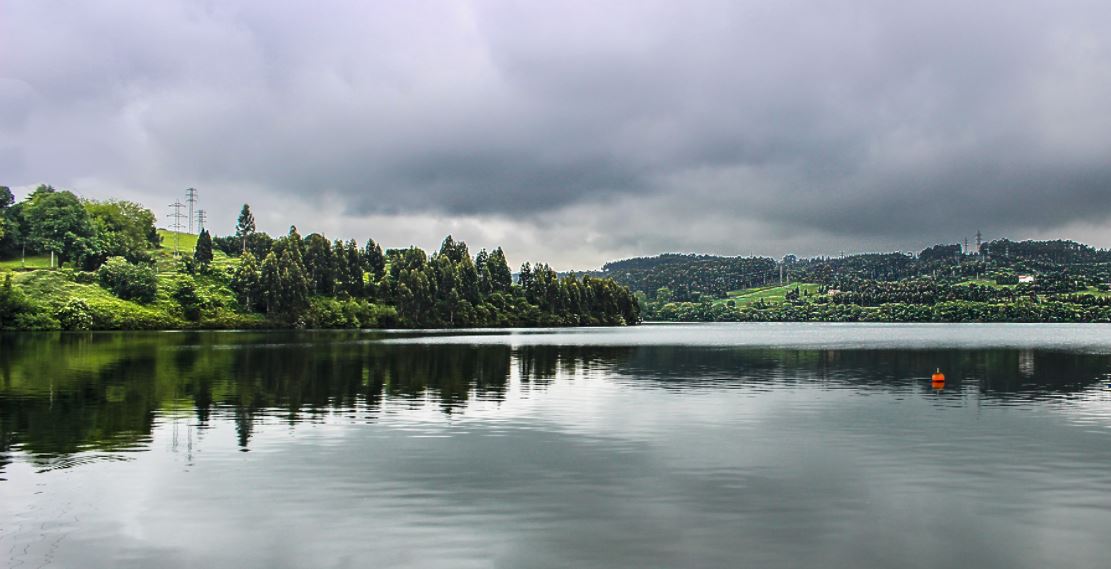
414	296
191	303
319	264
485	282
6	200
245	226
122	229
468	280
940	253
354	275
14	240
271	283
13	304
373	260
75	314
128	281
524	278
247	282
294	241
59	224
501	278
295	285
285	282
203	251
341	283
454	250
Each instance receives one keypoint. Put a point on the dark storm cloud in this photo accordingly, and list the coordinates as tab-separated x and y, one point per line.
860	121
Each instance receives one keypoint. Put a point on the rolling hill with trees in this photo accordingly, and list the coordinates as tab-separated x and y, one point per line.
1003	281
75	264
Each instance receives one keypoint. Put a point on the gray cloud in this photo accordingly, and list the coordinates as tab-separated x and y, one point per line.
599	128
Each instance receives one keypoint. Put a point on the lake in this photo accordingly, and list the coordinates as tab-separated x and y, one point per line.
702	445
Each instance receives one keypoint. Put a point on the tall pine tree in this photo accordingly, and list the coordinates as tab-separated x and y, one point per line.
202	253
245	226
373	260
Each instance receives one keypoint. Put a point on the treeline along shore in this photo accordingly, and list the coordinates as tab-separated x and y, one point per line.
75	264
993	281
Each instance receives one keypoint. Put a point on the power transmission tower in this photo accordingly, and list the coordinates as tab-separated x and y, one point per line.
191	199
177	216
202	217
979	241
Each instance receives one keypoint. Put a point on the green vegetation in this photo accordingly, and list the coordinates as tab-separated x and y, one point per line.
184	243
769	294
1029	281
114	270
31	262
129	281
991	283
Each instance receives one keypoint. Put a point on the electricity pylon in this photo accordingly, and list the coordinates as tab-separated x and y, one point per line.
191	199
177	226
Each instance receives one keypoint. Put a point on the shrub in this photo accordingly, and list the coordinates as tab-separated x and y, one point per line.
84	277
350	313
111	314
128	281
37	319
15	307
186	296
75	314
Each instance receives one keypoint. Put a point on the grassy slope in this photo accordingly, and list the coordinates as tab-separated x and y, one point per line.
986	282
1095	292
35	262
55	288
770	294
186	243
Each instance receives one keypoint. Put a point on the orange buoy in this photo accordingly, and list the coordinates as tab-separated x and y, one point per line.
937	380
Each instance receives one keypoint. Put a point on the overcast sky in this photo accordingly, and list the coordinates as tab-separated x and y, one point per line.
576	132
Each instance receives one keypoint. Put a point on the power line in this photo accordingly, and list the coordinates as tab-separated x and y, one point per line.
191	199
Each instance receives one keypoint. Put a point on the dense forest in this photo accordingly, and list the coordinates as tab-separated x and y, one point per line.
690	276
104	265
1001	281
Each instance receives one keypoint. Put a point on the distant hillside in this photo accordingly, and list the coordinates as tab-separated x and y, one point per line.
688	276
1006	281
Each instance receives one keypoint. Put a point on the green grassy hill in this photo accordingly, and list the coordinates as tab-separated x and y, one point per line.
52	289
769	294
32	262
184	242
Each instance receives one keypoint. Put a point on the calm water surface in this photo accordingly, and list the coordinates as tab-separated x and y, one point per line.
741	445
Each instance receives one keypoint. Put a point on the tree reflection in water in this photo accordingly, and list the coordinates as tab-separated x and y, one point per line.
62	394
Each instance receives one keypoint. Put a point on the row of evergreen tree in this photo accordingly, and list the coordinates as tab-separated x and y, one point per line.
449	288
